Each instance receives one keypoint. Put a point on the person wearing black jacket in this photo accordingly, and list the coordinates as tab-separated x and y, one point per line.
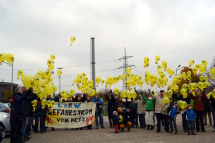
42	114
36	117
184	119
111	107
207	111
78	98
18	113
125	121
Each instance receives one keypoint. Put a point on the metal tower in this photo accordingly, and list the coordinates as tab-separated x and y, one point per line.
92	60
124	66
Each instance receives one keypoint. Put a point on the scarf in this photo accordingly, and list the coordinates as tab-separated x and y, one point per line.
199	99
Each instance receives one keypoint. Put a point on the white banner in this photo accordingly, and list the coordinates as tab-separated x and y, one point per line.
71	114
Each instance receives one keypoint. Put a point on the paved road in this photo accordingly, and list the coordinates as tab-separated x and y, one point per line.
108	136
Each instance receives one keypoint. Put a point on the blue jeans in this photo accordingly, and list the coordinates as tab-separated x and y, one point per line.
24	126
42	122
100	119
172	121
184	121
142	120
190	125
36	117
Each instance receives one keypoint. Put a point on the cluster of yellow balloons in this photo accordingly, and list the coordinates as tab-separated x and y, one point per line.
65	95
199	67
99	80
84	85
182	104
146	62
41	81
48	103
128	94
212	73
211	94
72	39
9	57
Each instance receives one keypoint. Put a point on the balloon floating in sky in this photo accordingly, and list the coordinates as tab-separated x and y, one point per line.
72	39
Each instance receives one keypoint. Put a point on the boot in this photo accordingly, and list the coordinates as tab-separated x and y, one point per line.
148	126
122	130
176	131
193	132
36	129
33	127
128	129
171	130
188	132
152	127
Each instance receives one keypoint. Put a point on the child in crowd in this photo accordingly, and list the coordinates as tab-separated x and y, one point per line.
191	116
173	113
115	121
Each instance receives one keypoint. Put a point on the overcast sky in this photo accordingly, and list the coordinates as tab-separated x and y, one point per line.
178	31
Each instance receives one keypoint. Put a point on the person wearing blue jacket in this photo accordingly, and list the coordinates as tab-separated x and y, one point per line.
42	114
18	112
99	107
191	116
173	113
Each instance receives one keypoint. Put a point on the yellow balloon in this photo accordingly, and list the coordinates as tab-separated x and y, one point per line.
9	58
2	57
44	102
72	39
128	70
49	61
204	63
191	62
157	58
59	72
53	57
51	66
201	78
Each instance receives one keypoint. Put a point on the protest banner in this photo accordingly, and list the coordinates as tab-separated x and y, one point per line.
70	115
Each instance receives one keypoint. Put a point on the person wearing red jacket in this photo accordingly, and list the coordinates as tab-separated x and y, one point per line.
199	108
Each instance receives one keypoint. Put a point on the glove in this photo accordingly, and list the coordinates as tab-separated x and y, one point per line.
29	91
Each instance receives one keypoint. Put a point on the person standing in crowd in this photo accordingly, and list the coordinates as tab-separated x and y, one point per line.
35	117
133	113
17	113
99	108
173	113
26	121
141	110
42	115
89	127
149	111
115	121
199	108
125	121
184	119
160	111
207	111
111	106
191	116
80	98
212	101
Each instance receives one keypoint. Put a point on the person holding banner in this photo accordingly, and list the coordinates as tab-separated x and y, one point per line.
99	107
111	106
89	127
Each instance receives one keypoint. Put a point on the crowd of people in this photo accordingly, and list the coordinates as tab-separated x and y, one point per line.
122	112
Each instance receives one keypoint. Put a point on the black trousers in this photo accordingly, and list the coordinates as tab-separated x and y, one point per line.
110	117
159	117
16	129
199	117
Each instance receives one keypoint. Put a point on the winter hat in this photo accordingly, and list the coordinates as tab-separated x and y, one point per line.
188	106
119	108
114	112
